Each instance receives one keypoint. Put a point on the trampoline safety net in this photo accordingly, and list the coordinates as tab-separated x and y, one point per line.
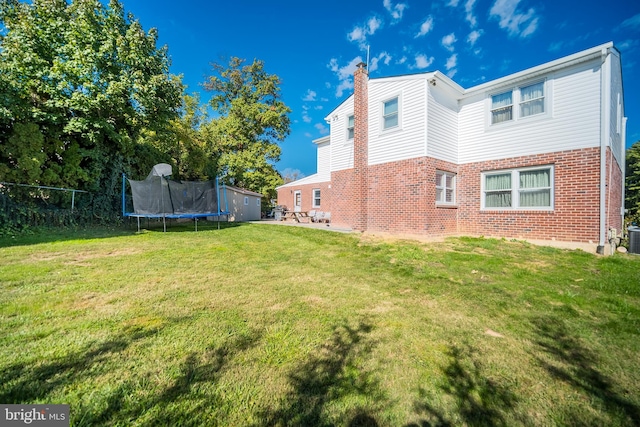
158	195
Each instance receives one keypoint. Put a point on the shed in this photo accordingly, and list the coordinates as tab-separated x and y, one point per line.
244	205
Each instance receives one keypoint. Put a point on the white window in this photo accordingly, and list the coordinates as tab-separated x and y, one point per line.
532	100
316	198
529	100
502	107
445	188
246	201
390	114
350	126
258	202
530	188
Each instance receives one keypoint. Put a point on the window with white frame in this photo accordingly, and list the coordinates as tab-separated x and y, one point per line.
527	188
390	114
502	107
246	200
350	126
445	188
316	198
258	202
532	99
518	103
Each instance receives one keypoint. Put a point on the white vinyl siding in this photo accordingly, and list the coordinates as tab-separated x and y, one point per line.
442	126
524	189
408	140
324	161
341	148
571	121
617	110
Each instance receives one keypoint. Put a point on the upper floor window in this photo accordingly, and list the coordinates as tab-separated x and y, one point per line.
445	188
518	103
532	100
390	113
530	188
350	126
502	107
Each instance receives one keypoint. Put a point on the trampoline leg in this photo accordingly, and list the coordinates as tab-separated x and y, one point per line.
164	224
138	224
196	220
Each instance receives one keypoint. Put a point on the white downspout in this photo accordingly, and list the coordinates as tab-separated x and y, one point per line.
624	170
605	112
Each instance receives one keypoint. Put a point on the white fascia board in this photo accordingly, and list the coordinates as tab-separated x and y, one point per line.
311	179
576	58
328	116
323	140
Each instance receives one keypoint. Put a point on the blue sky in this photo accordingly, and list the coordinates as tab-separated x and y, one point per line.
313	46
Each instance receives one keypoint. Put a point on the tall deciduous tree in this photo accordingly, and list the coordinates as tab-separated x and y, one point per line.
632	184
252	121
79	83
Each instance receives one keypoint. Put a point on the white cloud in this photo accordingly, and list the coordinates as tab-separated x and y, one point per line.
422	61
425	27
322	128
395	11
384	57
516	22
448	41
452	73
401	60
627	45
452	61
633	22
453	3
473	36
305	114
344	74
469	16
310	96
359	34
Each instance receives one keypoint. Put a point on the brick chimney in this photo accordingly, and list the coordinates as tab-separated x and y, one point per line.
360	146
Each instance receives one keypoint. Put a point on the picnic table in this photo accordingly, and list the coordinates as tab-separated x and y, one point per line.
297	216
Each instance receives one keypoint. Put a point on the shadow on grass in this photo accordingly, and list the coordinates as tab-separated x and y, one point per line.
477	401
191	400
52	234
331	384
21	383
566	359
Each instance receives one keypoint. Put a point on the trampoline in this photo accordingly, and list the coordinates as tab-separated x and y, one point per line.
160	197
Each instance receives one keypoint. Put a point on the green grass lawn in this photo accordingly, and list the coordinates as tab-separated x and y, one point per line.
260	325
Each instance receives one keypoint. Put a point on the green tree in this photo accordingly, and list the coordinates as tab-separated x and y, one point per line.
90	81
252	120
632	184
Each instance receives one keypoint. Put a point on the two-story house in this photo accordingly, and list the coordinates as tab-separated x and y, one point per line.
538	154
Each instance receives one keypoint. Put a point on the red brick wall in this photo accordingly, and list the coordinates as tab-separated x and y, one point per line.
286	196
577	196
402	198
613	199
343	210
360	148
